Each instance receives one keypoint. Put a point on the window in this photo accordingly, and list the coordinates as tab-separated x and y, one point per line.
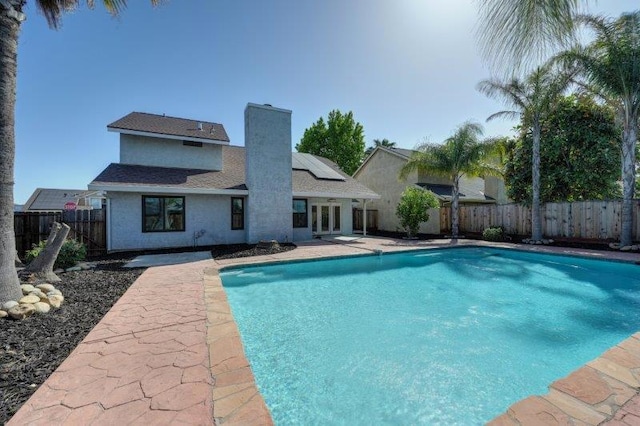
162	214
237	213
300	213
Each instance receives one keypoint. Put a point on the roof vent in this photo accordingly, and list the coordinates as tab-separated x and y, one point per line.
199	126
269	105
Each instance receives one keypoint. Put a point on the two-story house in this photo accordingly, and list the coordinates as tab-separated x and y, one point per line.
380	172
180	183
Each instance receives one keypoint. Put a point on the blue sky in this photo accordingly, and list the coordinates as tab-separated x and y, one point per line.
406	68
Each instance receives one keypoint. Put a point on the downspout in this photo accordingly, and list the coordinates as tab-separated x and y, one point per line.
108	224
364	218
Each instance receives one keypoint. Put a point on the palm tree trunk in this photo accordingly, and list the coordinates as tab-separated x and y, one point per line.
455	195
629	138
9	30
536	223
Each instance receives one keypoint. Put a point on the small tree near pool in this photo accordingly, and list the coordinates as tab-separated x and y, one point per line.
413	208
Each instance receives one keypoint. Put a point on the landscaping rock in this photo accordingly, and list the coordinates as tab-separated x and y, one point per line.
614	246
29	299
54	292
41	307
3	314
58	271
37	292
85	266
625	248
46	287
73	269
27	288
21	312
55	300
10	304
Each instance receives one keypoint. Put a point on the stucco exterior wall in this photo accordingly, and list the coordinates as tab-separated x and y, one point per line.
211	213
380	174
494	187
150	151
268	173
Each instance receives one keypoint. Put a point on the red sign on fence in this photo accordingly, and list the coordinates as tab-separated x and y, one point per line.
70	205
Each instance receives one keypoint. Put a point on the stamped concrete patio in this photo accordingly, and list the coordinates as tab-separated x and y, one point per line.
169	352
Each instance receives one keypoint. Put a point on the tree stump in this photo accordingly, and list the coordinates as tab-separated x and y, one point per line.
41	268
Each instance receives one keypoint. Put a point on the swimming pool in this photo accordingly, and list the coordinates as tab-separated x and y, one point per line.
449	336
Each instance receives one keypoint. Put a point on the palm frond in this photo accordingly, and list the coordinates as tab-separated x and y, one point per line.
513	34
53	10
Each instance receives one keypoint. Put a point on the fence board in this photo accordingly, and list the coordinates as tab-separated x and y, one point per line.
87	227
582	219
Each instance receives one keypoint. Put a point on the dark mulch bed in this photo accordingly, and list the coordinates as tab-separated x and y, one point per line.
32	349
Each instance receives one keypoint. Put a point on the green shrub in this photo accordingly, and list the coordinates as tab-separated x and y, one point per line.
493	234
413	208
70	254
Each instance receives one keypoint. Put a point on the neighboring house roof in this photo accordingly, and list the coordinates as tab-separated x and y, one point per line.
229	180
470	191
48	199
173	127
399	152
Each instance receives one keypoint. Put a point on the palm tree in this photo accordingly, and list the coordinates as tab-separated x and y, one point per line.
461	154
516	33
11	17
376	143
530	98
612	63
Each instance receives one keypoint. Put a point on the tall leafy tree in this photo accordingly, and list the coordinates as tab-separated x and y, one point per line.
579	158
386	143
340	139
514	34
530	98
612	63
11	18
462	154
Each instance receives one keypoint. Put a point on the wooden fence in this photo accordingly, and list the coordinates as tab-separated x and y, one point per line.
87	227
372	219
592	220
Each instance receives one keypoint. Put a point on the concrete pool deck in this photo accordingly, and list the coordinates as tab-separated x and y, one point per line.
169	352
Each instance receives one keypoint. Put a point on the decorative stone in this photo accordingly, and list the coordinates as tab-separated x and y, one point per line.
58	271
37	292
635	247
41	307
551	241
46	287
73	269
54	292
3	314
29	299
21	311
614	246
27	288
625	248
85	266
10	304
55	300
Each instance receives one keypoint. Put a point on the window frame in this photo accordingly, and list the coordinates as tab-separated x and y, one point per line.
163	197
306	213
232	213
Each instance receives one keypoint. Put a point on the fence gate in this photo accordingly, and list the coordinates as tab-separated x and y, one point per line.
372	219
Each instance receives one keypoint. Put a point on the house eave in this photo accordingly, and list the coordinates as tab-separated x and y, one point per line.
166	136
311	194
168	189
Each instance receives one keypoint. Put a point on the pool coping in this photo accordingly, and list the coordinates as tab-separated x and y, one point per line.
605	389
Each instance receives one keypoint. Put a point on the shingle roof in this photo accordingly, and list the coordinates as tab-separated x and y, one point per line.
53	199
470	191
232	177
173	126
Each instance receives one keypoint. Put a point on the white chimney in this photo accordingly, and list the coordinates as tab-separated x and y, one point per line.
267	141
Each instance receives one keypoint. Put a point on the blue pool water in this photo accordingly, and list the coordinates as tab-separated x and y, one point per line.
433	337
